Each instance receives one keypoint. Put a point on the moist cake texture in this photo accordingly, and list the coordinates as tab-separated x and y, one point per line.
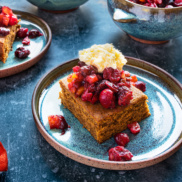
103	123
6	42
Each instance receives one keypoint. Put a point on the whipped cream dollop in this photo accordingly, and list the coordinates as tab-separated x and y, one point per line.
102	56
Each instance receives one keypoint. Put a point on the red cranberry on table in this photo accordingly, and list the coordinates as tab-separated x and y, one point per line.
58	122
4	31
22	33
26	41
134	127
107	98
22	53
34	33
121	139
119	153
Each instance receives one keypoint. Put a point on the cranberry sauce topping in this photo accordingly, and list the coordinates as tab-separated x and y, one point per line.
111	88
26	41
159	3
121	139
134	127
34	33
119	153
4	31
58	122
7	18
22	53
22	33
140	85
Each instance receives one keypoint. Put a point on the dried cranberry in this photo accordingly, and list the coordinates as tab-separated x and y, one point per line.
114	75
22	33
124	96
140	85
22	53
112	86
121	139
85	70
119	153
81	63
58	122
101	86
4	31
134	127
107	98
34	33
26	41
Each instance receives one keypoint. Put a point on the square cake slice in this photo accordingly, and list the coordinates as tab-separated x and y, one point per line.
104	123
6	42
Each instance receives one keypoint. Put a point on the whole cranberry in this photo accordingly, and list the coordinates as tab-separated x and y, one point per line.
119	153
107	98
121	139
134	127
22	33
22	53
34	33
140	85
4	31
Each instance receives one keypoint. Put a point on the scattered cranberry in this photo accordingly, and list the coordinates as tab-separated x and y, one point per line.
26	41
121	139
58	122
22	33
134	127
140	85
107	98
22	53
34	33
4	31
119	153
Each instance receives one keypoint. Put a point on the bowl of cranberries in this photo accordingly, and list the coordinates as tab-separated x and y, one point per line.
148	21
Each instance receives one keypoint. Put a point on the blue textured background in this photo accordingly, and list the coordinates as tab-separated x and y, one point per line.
31	158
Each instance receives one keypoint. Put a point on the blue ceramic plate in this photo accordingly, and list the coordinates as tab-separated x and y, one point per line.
38	46
160	134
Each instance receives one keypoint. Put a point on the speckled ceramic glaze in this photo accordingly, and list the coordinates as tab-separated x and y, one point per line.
146	24
57	5
160	134
38	46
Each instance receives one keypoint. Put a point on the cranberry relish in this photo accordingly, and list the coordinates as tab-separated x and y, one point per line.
159	3
111	88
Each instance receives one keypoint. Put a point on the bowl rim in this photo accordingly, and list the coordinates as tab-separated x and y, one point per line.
152	8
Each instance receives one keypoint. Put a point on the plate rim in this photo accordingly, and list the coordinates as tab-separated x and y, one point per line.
27	64
99	163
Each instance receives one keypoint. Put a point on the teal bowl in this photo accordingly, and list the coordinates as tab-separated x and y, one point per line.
146	24
58	6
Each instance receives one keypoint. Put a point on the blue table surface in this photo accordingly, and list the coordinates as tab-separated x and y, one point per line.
31	158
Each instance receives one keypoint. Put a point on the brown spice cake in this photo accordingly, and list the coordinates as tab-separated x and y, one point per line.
104	123
6	42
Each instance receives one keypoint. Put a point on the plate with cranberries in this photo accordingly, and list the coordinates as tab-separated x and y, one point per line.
31	42
142	144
